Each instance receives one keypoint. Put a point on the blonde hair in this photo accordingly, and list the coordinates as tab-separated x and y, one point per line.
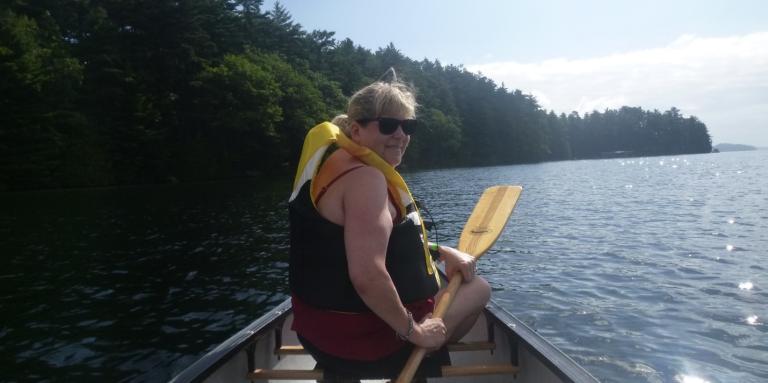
381	98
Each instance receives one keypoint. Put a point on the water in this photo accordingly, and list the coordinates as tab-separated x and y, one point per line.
642	270
134	284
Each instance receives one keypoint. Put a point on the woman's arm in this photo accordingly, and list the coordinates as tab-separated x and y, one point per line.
367	226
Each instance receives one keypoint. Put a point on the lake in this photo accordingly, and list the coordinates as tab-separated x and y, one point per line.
641	269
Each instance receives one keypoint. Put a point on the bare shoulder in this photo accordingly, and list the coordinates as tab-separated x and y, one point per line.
369	174
363	177
357	190
366	205
365	192
365	185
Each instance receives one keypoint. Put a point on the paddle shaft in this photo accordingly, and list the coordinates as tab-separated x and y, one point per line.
442	307
481	231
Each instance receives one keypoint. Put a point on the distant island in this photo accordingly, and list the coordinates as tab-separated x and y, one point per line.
725	147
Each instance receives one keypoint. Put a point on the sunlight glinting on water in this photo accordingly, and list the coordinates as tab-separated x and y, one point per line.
746	285
729	247
752	320
682	378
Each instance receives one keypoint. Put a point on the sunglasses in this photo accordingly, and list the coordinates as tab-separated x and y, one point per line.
388	125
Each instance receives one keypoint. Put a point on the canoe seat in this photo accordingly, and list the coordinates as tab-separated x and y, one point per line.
460	346
447	371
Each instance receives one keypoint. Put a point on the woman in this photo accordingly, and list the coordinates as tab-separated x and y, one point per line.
362	280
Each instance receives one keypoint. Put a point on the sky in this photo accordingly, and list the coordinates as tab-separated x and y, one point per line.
707	58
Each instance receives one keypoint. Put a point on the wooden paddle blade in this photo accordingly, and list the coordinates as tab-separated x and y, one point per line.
488	219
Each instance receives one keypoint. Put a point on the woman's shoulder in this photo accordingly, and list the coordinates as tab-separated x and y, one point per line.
341	162
348	172
362	176
348	185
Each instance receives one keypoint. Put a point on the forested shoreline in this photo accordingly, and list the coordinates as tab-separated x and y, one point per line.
97	93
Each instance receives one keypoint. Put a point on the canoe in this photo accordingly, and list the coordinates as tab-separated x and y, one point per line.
499	348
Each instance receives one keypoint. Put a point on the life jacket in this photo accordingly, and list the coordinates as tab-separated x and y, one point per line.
318	270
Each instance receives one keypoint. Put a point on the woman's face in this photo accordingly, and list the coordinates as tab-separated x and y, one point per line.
389	147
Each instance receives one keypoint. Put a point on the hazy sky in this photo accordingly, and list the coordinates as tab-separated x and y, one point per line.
707	58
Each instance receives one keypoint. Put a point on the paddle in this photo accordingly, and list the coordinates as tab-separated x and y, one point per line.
480	232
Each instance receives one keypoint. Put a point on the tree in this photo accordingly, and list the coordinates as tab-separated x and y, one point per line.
135	91
236	124
39	126
438	142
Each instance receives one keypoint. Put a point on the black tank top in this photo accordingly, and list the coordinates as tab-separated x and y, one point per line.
318	270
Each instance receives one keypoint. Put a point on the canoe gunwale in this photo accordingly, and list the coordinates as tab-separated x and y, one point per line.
211	361
558	362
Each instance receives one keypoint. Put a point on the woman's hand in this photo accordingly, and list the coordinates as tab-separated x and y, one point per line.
458	261
430	333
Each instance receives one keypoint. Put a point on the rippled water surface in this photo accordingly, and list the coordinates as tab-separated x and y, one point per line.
133	284
642	269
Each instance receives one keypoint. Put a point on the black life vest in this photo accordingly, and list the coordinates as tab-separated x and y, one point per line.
318	270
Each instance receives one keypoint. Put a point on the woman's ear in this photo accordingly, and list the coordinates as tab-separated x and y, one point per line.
354	131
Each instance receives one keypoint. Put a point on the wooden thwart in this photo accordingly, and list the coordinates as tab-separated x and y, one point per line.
461	346
481	369
472	346
261	373
447	371
291	350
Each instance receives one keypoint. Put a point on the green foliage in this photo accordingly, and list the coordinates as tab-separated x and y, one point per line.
636	132
39	127
438	142
137	91
236	112
306	98
254	110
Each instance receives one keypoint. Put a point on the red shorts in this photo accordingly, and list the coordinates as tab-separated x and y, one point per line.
356	336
